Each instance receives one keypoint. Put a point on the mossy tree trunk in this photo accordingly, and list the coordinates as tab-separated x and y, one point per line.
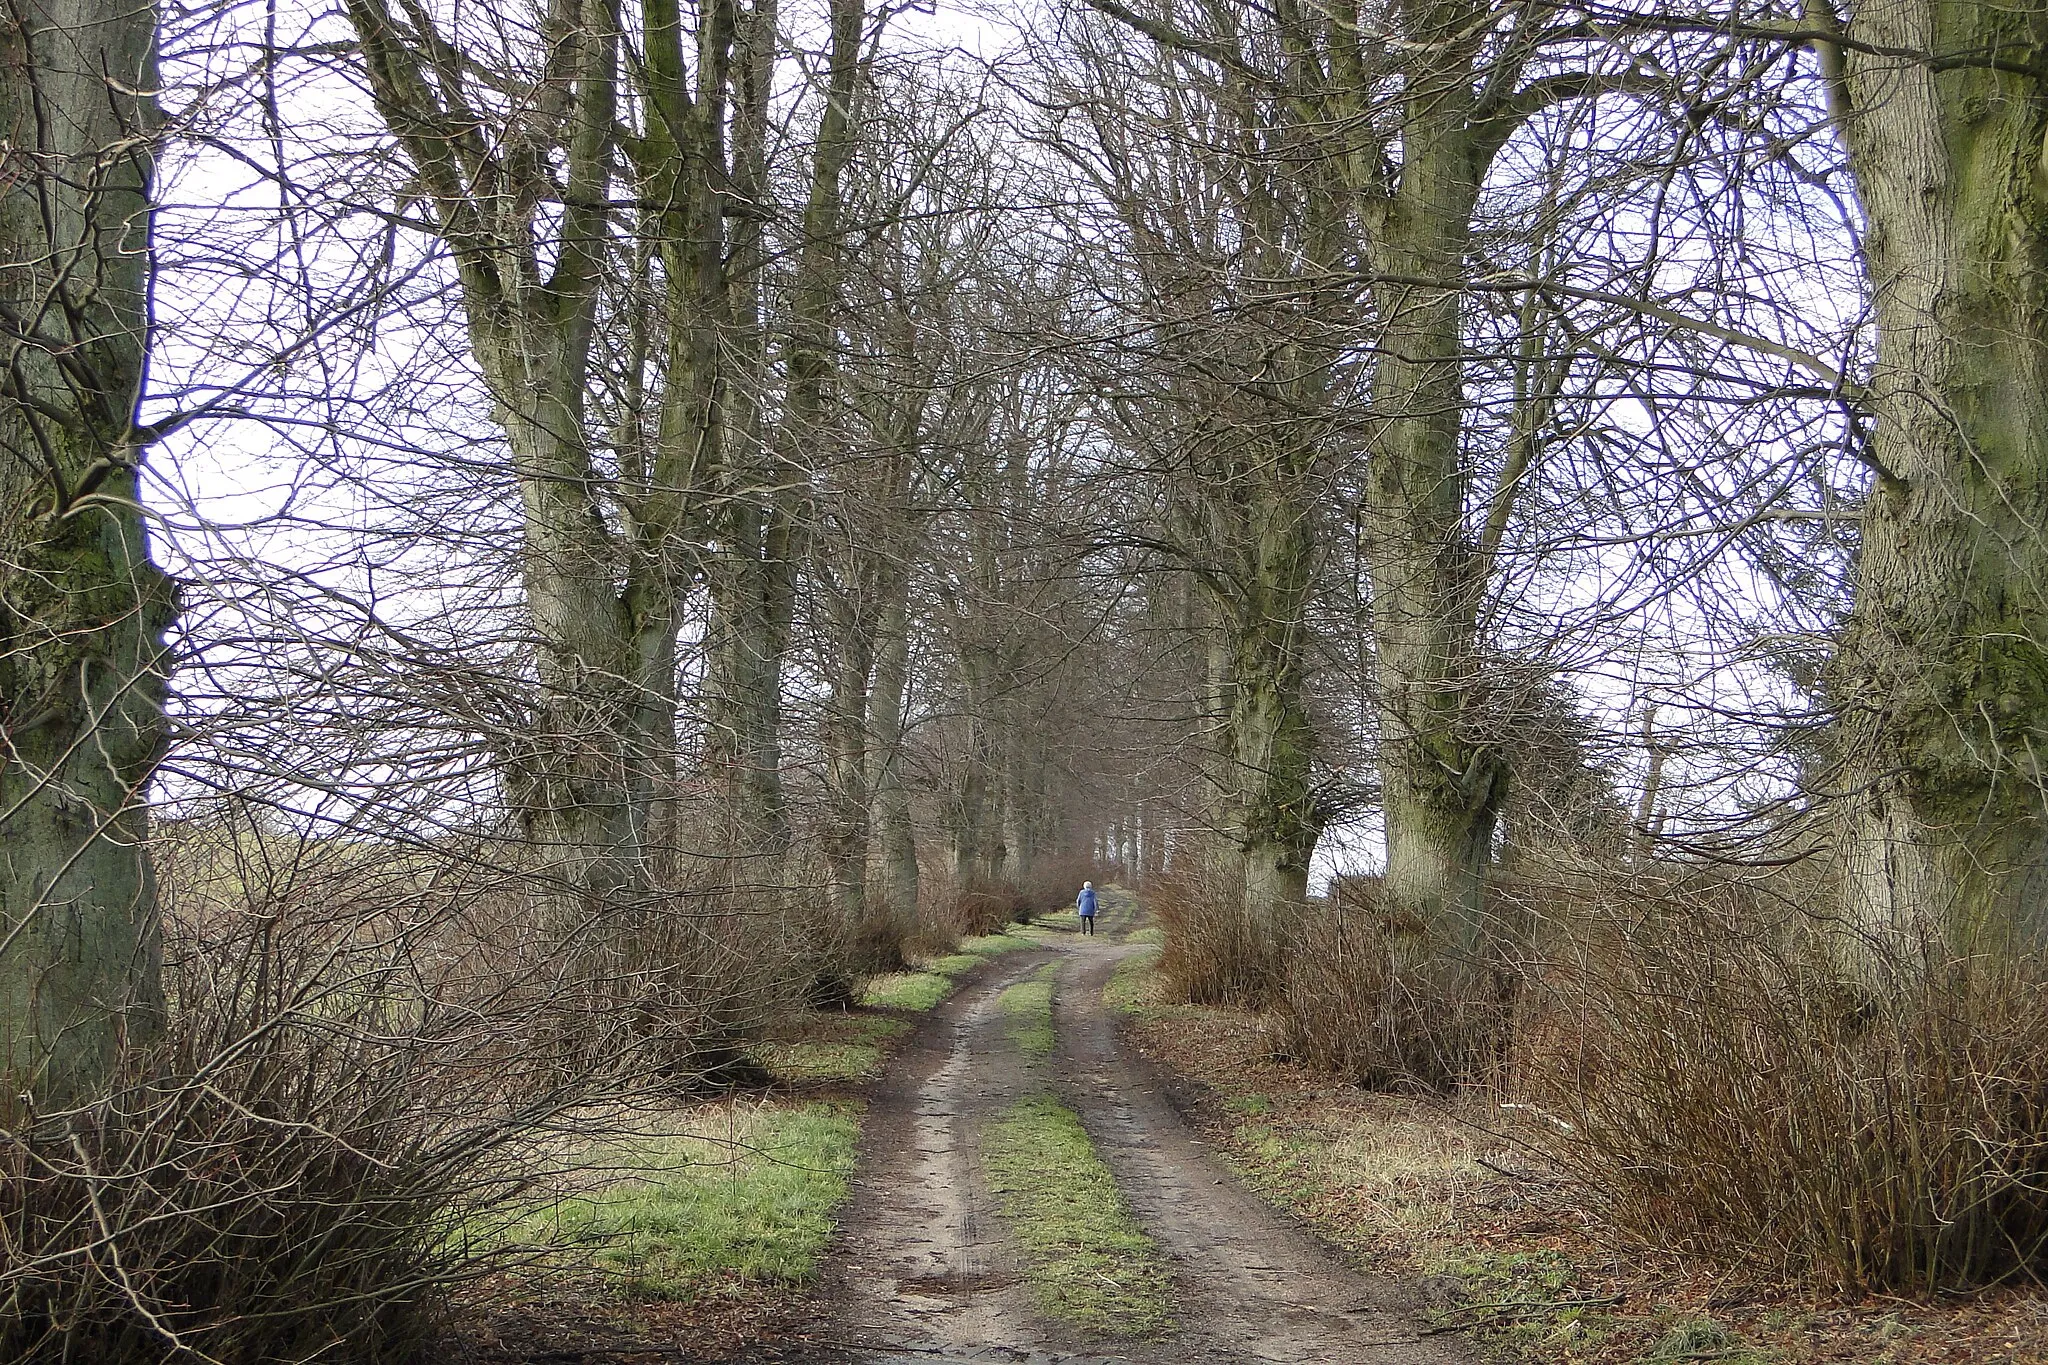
1441	783
1271	818
893	871
1942	675
83	611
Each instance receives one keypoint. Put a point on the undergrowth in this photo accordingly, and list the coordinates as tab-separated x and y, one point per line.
1133	987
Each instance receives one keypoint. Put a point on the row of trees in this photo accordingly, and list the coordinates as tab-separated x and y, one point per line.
768	461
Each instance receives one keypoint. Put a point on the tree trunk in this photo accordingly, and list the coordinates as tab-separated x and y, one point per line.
604	607
1942	675
82	610
751	600
1441	784
710	440
851	640
571	784
893	882
810	424
1273	819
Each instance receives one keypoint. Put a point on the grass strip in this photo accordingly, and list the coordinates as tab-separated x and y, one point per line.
826	1045
1132	988
1086	1259
1028	1006
933	981
745	1196
814	1059
918	991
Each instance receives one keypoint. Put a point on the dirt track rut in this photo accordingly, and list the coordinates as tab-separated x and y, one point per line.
925	1271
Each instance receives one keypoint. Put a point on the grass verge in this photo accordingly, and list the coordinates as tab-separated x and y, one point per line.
931	982
824	1046
1416	1187
1086	1259
1028	1007
739	1193
1133	987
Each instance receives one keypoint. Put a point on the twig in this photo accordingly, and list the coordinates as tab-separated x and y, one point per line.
1523	1176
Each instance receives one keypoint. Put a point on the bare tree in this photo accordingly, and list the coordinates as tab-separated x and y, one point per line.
531	283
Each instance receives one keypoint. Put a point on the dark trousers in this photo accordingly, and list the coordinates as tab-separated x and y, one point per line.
1088	925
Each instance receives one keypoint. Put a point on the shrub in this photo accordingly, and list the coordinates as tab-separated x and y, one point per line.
365	1047
984	907
1213	952
269	1184
270	1211
1713	1087
1367	994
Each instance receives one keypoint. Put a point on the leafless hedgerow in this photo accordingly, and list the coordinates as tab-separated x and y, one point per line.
366	1052
1693	1060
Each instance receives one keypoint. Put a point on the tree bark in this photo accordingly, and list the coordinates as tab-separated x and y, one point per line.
1441	783
1273	821
82	610
893	881
1942	675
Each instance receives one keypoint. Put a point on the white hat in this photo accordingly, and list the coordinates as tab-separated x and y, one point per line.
1087	886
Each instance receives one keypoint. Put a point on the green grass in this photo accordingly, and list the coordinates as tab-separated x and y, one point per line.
812	1059
1149	933
749	1198
1130	986
1028	1006
931	983
907	991
990	945
1085	1258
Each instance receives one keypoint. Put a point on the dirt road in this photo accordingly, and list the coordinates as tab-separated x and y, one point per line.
925	1271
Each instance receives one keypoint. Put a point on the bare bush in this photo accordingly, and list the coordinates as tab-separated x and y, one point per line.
1365	995
1054	882
367	1047
1713	1087
1215	953
981	906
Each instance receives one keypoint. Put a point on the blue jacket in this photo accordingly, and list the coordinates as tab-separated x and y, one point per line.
1088	901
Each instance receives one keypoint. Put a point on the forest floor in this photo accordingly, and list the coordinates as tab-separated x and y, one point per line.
1055	1165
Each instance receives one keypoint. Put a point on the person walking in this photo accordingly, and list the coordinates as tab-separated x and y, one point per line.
1087	905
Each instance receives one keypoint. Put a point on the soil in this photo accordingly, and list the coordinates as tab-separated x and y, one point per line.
923	1269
